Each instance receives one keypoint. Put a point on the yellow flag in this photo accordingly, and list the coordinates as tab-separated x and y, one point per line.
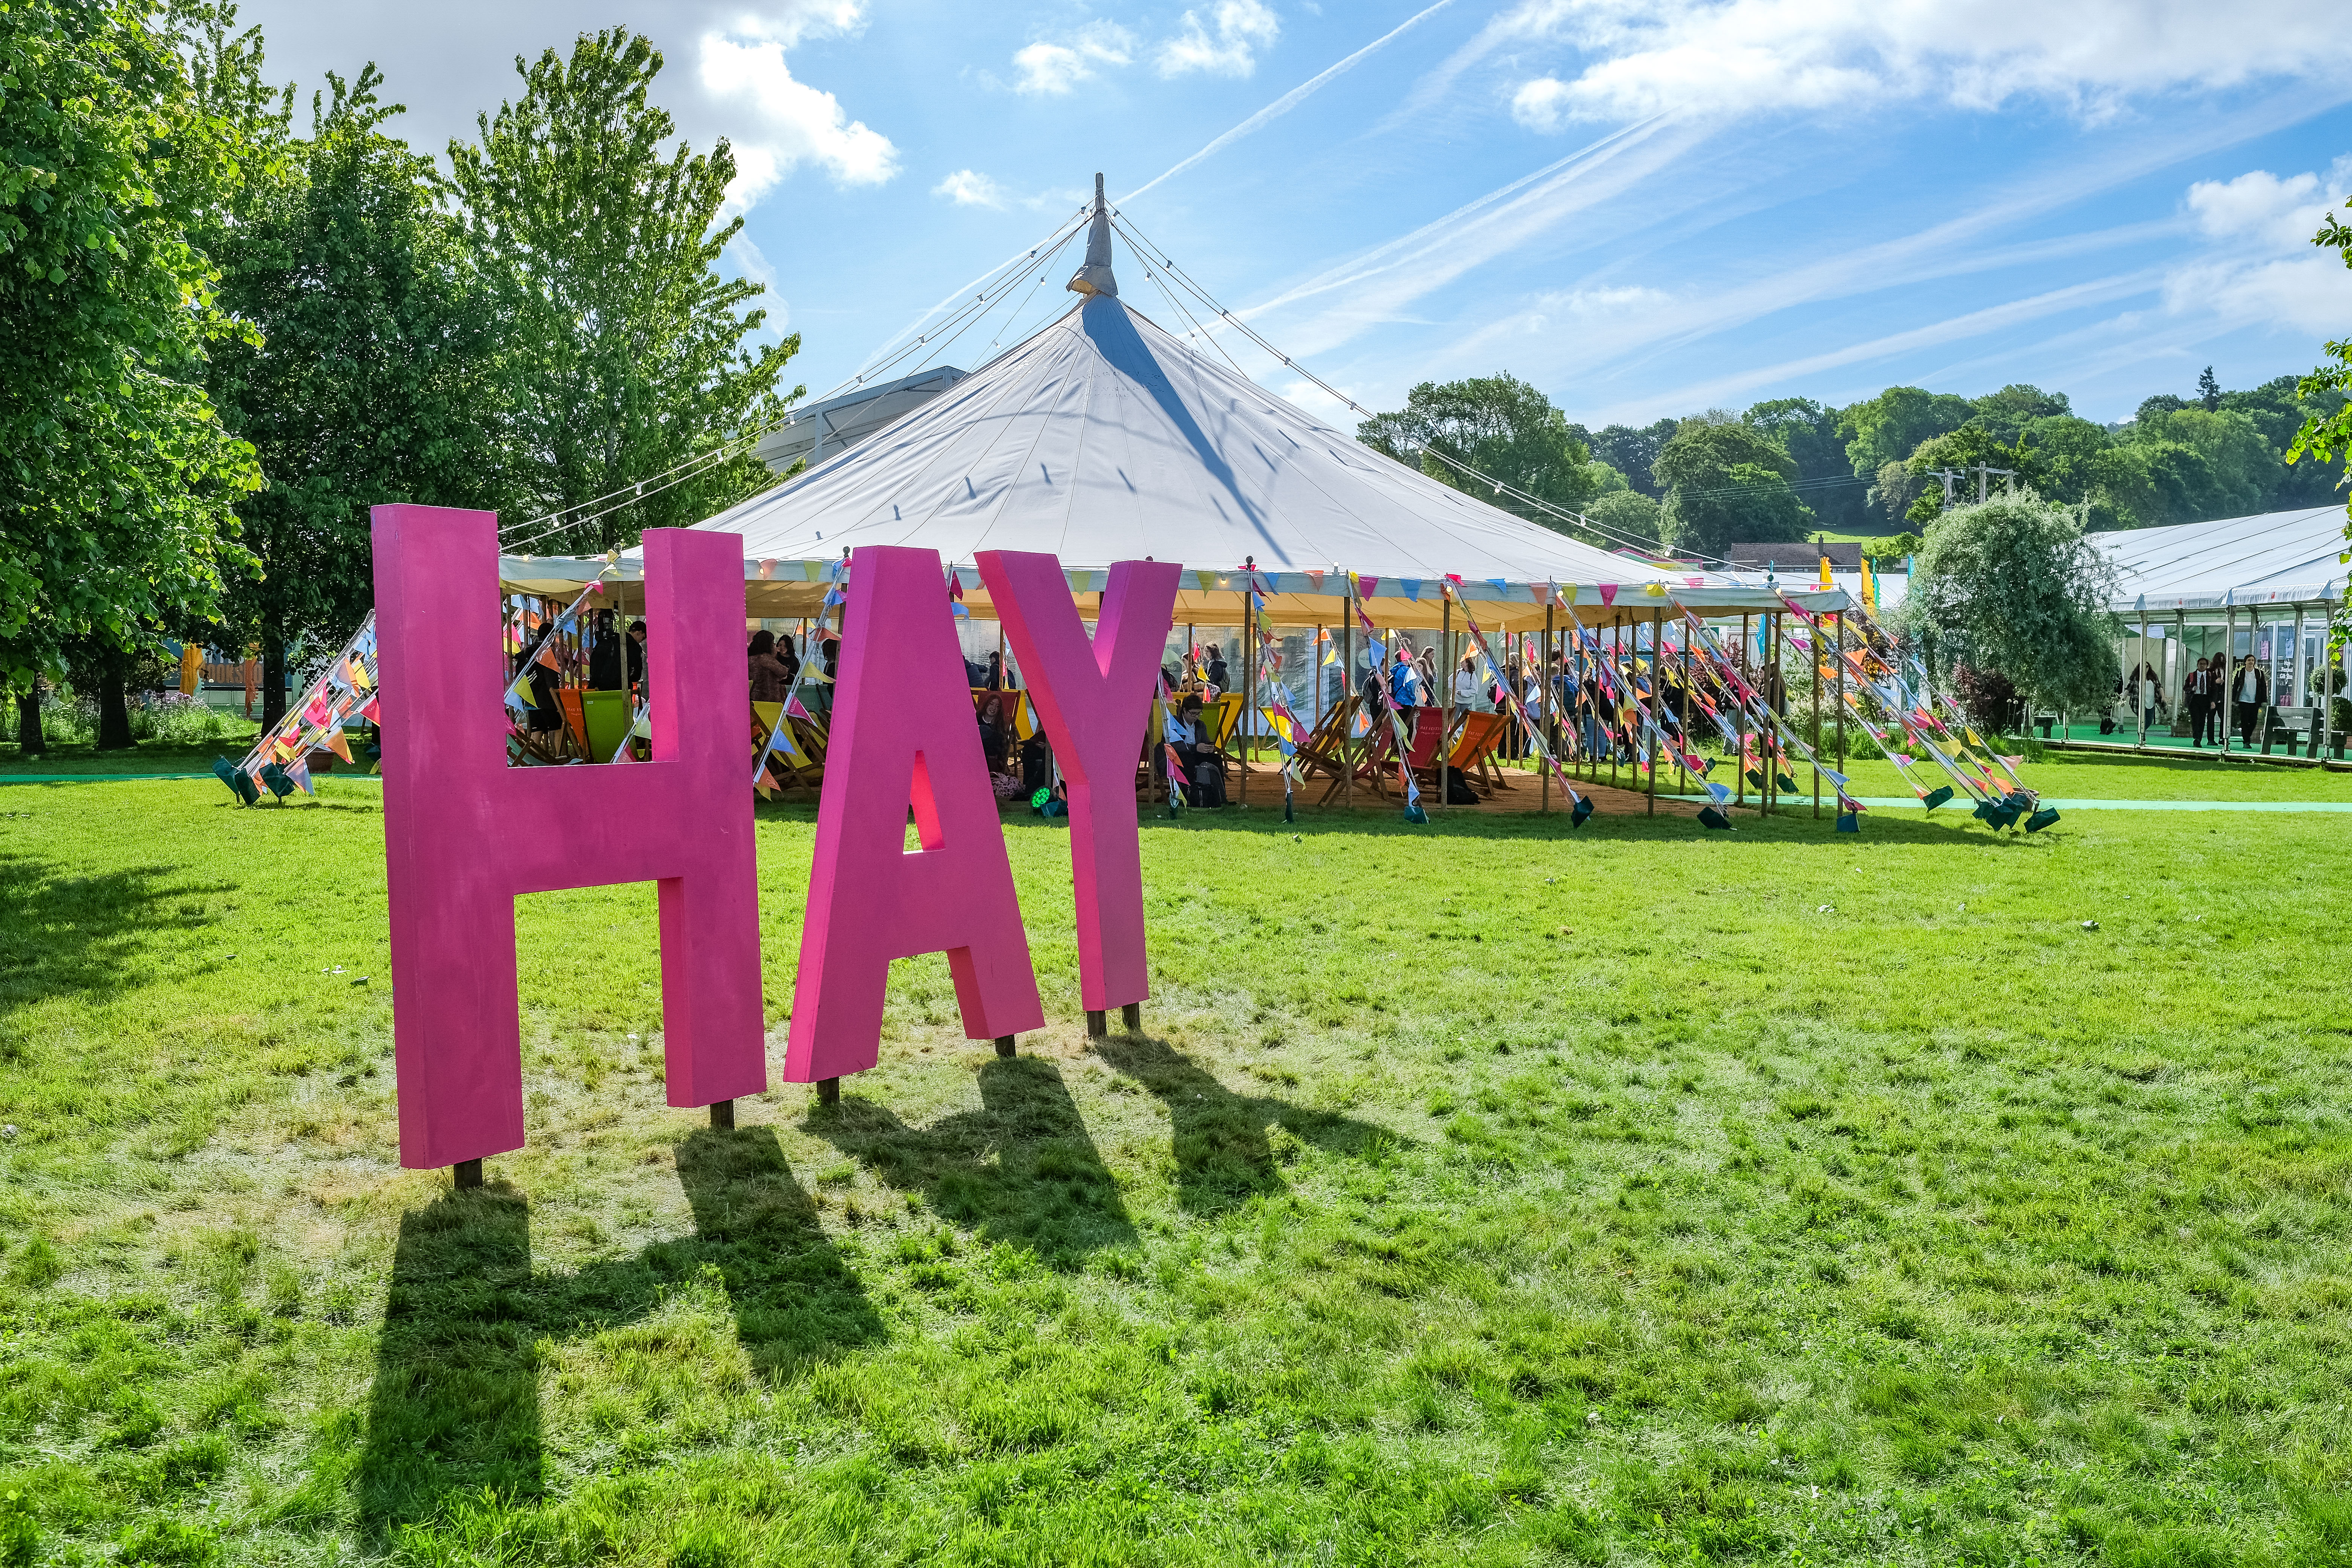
1825	573
1869	586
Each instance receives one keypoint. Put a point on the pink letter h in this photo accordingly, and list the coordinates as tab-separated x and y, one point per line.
464	834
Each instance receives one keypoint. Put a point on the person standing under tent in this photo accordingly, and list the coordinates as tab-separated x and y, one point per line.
1469	691
605	656
2250	694
2198	687
2147	699
1404	680
769	679
1216	673
787	657
638	654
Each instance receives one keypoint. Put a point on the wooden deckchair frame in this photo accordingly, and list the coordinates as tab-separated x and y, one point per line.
1475	739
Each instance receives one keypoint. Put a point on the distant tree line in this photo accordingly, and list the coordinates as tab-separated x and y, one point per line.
1790	468
225	337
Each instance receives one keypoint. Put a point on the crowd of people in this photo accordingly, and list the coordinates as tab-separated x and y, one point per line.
2217	697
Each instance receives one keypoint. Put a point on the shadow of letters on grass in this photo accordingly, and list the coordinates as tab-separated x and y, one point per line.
454	1408
1022	1169
1224	1151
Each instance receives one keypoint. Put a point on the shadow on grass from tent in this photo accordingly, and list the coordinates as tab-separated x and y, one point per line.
1224	1153
1021	1170
454	1412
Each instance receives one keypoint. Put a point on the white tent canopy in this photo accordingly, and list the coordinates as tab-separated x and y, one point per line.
1101	438
2275	558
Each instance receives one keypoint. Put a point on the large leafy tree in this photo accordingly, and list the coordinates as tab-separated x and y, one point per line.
370	376
1727	483
1630	452
118	483
627	353
2012	587
1498	425
1808	433
1888	428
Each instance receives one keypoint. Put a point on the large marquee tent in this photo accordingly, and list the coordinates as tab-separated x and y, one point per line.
1103	438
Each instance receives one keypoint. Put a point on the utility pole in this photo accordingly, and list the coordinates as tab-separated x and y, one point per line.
1981	471
1948	476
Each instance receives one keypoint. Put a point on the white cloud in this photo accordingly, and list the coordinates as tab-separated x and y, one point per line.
1226	45
1729	57
2264	267
1541	104
1052	67
783	123
971	188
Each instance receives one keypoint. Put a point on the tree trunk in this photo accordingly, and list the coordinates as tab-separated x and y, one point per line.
113	707
273	677
29	740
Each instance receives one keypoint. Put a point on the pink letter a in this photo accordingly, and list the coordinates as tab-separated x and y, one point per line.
1094	699
463	833
904	733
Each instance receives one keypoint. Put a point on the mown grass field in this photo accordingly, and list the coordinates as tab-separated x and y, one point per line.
1476	1194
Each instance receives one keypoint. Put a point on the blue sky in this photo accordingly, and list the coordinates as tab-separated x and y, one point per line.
1646	207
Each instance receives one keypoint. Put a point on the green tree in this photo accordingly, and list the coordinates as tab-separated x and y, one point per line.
2278	411
2008	413
625	350
1626	515
1727	483
1631	451
2327	434
371	376
2242	469
119	483
1888	428
2012	587
1958	451
2208	391
1498	425
1808	433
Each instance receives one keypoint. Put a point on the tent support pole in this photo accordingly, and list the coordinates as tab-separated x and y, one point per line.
1841	690
1813	654
1346	691
1739	768
1657	693
1249	686
1445	725
1616	674
1682	716
1543	709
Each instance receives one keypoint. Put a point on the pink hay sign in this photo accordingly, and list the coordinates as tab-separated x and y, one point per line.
465	834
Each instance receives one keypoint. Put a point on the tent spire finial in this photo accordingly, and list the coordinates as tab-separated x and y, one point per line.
1094	277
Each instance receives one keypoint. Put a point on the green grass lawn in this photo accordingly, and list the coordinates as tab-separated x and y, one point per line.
1476	1194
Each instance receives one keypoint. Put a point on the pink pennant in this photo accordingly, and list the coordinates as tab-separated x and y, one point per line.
1607	592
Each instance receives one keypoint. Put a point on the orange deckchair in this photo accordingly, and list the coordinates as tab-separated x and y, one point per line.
1474	749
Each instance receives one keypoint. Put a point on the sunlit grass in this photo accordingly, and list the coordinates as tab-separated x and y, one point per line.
1478	1192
